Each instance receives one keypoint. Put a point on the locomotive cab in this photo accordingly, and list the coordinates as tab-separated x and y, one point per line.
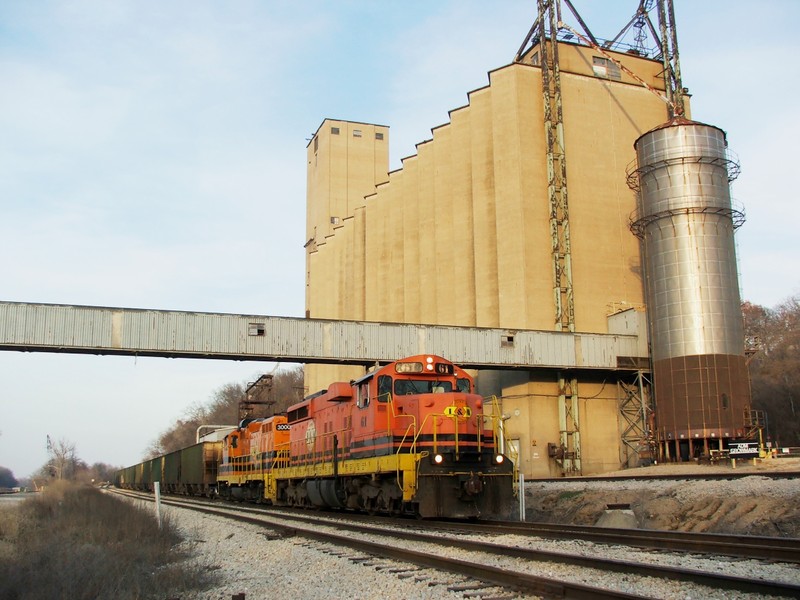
461	468
249	455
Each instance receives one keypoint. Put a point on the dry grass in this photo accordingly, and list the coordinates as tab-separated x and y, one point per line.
75	542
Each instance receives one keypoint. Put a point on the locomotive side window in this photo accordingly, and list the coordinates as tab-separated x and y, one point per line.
363	395
463	386
298	414
384	388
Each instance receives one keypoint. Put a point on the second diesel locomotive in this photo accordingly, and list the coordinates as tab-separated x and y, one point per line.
408	437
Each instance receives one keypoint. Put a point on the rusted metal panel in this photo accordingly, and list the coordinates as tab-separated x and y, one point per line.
99	330
713	392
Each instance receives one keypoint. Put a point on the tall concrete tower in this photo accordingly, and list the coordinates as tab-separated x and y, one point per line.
346	162
686	222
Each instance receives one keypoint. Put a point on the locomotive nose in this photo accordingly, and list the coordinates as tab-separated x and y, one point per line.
473	486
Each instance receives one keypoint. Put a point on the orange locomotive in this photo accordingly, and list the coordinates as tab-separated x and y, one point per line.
409	437
250	455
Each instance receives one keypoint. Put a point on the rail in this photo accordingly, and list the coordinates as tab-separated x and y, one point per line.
635	575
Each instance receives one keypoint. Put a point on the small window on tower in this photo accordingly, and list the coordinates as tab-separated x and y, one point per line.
378	135
606	68
334	220
356	133
334	131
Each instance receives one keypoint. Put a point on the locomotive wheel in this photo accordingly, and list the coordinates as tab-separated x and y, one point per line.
370	506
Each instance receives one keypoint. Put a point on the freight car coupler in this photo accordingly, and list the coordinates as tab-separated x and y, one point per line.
473	486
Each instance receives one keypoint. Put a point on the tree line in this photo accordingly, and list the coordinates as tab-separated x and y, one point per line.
62	463
229	405
773	340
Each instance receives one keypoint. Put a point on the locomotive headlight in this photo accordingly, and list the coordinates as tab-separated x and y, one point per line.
438	459
499	459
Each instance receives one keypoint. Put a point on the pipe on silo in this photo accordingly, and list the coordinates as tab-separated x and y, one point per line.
686	222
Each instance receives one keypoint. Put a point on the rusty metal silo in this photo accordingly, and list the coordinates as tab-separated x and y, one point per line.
686	222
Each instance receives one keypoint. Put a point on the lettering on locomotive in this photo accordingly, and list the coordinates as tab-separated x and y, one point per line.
458	411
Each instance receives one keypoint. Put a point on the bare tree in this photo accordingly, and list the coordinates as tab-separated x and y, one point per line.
63	460
287	389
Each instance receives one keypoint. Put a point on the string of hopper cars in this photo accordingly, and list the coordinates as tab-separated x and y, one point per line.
411	437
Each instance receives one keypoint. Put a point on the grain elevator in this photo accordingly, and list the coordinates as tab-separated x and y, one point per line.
518	213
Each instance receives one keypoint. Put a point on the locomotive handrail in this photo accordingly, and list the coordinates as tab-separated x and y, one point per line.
282	454
498	433
413	448
317	454
479	428
435	430
455	438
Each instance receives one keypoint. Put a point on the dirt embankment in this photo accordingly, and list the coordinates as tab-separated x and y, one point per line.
752	505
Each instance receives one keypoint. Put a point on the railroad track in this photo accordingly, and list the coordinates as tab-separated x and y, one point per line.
704	476
513	574
737	546
740	546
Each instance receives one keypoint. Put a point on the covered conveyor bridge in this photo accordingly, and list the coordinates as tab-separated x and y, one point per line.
174	334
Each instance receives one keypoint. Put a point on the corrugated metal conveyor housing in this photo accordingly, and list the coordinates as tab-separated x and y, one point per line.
174	334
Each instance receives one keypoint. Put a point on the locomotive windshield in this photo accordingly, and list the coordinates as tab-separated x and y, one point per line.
404	387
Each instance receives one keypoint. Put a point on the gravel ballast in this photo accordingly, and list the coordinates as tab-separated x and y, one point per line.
256	562
248	562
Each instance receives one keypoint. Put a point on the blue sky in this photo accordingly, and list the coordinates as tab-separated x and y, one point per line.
152	155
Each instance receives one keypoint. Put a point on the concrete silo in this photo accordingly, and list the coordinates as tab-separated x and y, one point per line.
686	222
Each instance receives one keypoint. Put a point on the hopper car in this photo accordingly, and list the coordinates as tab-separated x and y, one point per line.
189	471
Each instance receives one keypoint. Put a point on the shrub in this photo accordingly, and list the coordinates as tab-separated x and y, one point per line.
76	542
